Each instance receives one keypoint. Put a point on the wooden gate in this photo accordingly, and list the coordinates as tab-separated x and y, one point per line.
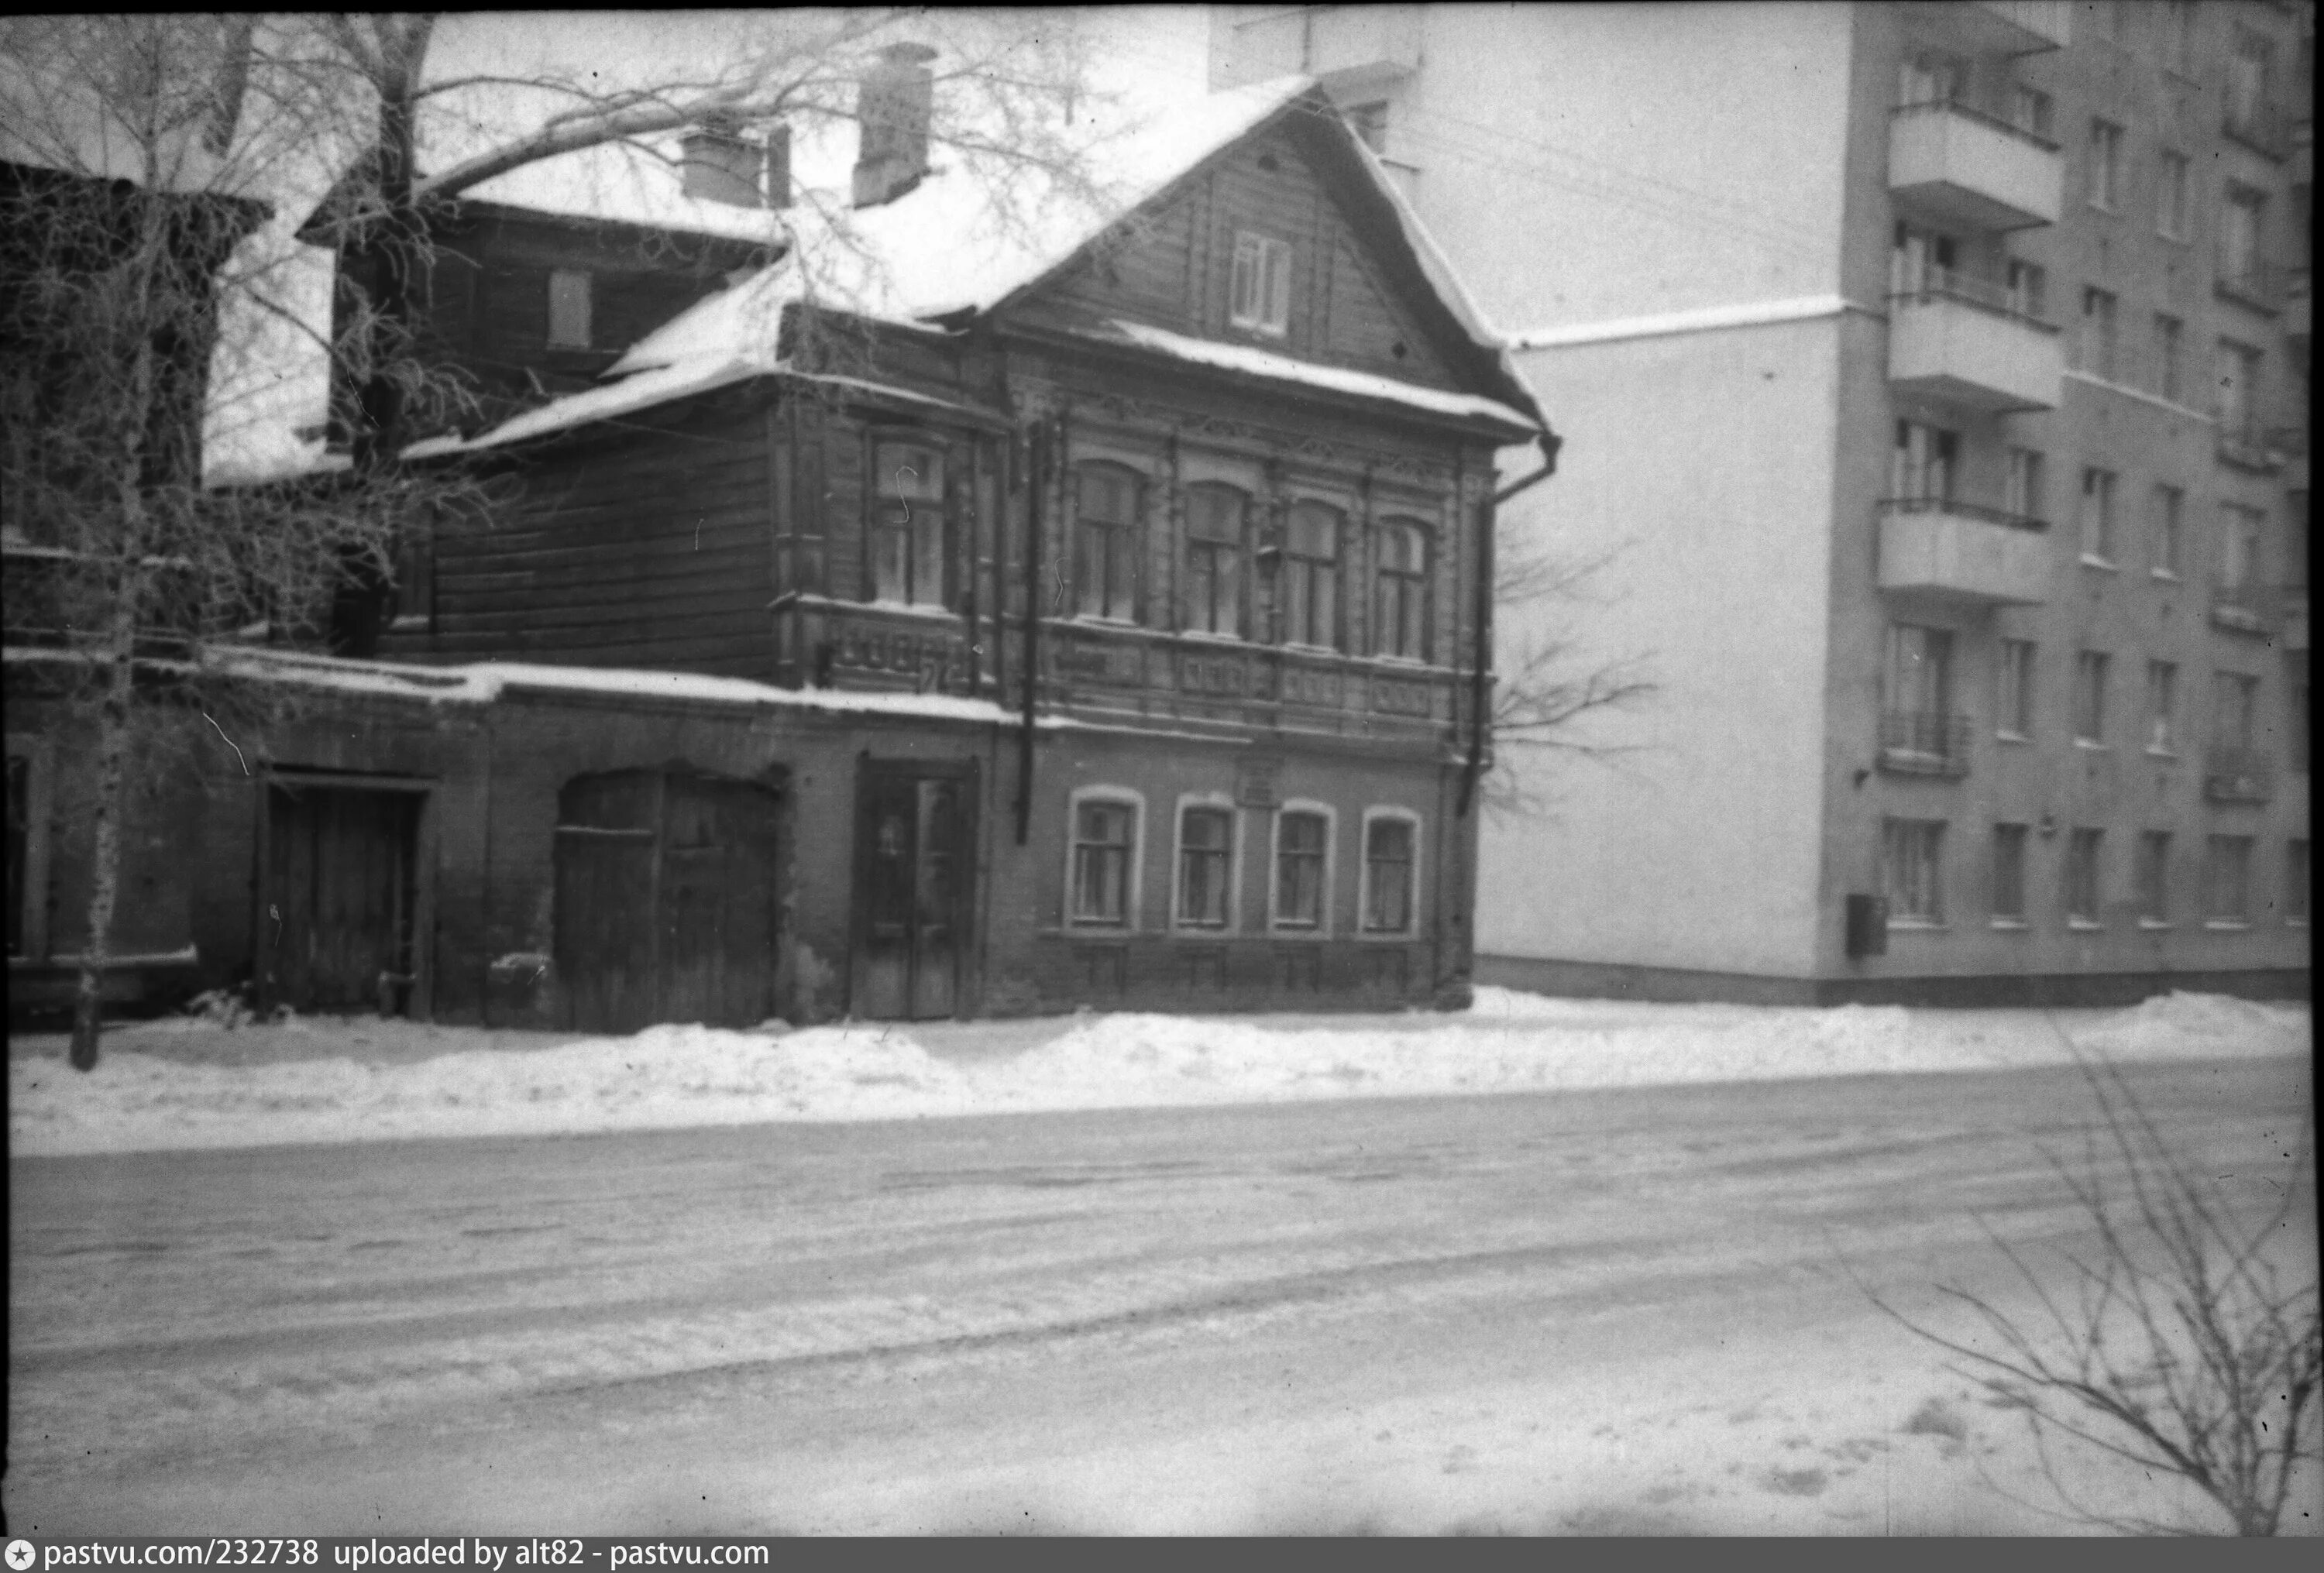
915	862
336	932
666	900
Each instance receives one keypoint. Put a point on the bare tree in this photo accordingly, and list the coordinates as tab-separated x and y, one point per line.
2178	1345
1551	686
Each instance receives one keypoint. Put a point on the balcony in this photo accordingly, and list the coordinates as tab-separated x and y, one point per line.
1963	168
2265	128
1960	553
2247	445
2235	774
1917	742
2252	608
1959	339
2254	282
2003	27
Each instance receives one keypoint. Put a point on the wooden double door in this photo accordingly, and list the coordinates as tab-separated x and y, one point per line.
914	869
341	889
666	900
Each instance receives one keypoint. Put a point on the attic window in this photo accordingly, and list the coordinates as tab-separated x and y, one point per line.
568	309
1262	284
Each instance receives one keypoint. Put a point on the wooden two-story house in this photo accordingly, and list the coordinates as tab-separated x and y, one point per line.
982	610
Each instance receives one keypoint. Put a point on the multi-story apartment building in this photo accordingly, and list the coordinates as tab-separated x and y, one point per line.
1936	379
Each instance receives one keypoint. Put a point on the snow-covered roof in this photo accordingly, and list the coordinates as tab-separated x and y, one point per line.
1259	362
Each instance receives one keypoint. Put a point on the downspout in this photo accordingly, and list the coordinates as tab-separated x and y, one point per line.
1481	677
1036	528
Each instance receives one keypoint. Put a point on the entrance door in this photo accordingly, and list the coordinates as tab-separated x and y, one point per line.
666	900
339	897
915	840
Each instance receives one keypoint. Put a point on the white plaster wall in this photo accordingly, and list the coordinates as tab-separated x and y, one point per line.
1708	457
1583	163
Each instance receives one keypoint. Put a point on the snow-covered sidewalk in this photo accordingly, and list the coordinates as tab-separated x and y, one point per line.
192	1083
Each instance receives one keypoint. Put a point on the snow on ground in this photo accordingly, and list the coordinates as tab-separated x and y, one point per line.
193	1082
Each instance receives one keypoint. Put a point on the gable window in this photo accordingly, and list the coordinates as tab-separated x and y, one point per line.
1205	866
1302	841
2155	878
2083	850
1391	856
1215	518
1106	542
1399	619
1104	856
1310	595
2009	874
2097	517
907	525
2013	698
1261	289
570	326
1911	869
2105	165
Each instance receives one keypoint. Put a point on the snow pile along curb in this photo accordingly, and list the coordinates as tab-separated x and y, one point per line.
669	1077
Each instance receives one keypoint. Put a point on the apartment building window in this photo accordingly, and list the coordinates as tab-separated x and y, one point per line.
2174	174
570	291
2013	698
2235	710
2161	707
2029	287
2166	549
2105	165
2243	221
1108	543
907	525
1928	77
1260	289
2248	69
1205	867
1104	859
2154	878
2236	370
2089	698
2097	516
2021	484
2009	874
1402	594
2241	533
1216	519
1921	468
1311	576
2295	881
2098	341
2298	730
2083	848
1391	855
1303	840
2031	110
1911	869
2295	540
2175	39
2227	881
1918	690
2170	357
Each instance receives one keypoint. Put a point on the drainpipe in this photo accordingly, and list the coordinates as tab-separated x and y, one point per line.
1481	678
1036	527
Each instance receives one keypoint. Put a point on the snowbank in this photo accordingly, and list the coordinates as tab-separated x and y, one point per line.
190	1083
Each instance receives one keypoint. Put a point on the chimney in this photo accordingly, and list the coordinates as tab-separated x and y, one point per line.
892	106
721	165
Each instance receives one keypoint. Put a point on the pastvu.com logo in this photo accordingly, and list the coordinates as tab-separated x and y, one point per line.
20	1555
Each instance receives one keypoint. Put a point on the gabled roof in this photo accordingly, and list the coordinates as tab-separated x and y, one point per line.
955	248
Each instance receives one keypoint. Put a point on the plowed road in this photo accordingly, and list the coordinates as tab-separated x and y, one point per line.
1620	1311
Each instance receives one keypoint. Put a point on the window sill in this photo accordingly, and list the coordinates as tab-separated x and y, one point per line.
2085	925
2155	925
2169	575
2226	924
2011	925
2295	923
1918	925
2093	745
2108	564
1405	936
1297	933
1092	928
2155	753
2011	737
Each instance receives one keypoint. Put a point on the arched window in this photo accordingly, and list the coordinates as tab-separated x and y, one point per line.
1391	870
1206	847
1215	518
907	524
1102	875
1303	864
1400	605
1107	541
1310	596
